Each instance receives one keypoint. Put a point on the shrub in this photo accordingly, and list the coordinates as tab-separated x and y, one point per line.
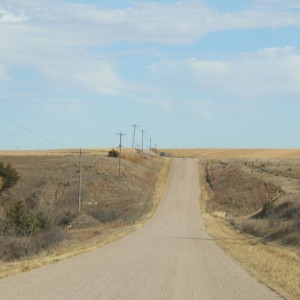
47	239
113	153
1	183
267	208
18	221
8	176
12	248
66	219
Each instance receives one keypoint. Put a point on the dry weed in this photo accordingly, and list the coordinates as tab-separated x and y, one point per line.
97	237
275	266
234	153
135	158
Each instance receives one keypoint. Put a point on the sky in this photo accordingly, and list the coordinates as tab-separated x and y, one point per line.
192	74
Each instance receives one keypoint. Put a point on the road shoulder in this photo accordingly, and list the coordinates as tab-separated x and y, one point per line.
276	267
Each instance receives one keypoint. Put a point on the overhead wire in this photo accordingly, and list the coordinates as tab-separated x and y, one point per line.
13	136
8	119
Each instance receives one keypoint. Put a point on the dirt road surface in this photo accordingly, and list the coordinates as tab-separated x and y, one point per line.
170	258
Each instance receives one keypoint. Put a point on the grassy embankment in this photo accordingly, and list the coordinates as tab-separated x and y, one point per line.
273	264
260	197
89	238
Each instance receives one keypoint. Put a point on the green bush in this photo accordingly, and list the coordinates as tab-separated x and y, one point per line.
113	153
18	221
8	175
267	208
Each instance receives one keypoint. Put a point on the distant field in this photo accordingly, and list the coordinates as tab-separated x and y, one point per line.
184	152
234	153
56	152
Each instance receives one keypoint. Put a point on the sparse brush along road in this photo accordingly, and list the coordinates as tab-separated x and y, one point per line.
170	258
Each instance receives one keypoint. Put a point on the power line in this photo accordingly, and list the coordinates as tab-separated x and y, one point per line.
13	136
29	131
120	147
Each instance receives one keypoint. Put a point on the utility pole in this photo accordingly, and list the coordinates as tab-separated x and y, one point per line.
142	131
79	189
150	144
134	127
120	147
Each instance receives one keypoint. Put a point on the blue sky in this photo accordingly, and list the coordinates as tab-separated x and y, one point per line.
193	74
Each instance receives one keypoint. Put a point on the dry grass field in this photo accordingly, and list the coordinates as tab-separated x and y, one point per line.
56	152
250	202
111	206
234	153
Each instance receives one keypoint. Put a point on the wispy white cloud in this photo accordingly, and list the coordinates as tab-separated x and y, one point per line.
243	108
31	47
163	105
149	55
271	73
3	73
277	4
7	16
165	23
62	105
202	108
56	41
86	73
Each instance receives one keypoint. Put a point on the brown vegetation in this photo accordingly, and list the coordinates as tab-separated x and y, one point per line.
252	209
255	217
234	153
258	190
261	198
41	211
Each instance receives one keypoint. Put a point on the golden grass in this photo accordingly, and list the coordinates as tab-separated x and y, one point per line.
235	153
277	267
109	234
133	157
125	154
197	152
55	152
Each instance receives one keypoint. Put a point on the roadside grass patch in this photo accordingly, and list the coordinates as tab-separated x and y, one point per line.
83	232
276	266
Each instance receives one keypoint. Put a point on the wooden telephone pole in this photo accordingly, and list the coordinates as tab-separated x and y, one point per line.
142	131
120	147
80	179
134	127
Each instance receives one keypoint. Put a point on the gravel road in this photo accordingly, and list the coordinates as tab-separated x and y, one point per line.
172	257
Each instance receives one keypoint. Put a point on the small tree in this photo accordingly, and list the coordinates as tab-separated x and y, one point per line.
1	183
267	208
113	153
19	221
8	176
